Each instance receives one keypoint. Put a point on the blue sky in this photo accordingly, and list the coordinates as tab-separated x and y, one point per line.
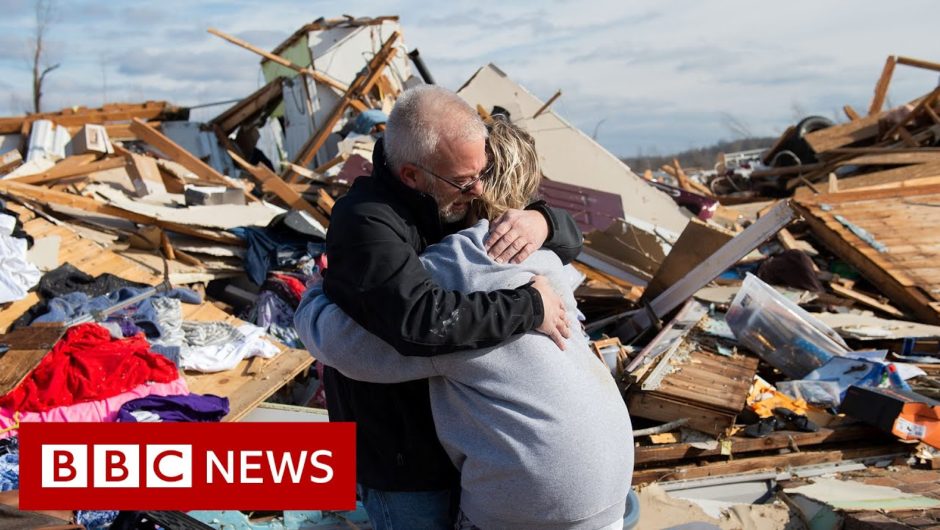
651	77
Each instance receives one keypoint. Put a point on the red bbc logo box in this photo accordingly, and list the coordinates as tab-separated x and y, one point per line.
188	466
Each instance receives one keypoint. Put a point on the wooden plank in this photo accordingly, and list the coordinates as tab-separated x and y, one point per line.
81	116
697	242
918	63
188	160
881	87
317	76
740	445
850	113
27	347
890	176
865	299
231	118
10	161
143	170
360	86
273	183
655	407
63	171
844	134
325	202
927	100
915	156
645	476
47	197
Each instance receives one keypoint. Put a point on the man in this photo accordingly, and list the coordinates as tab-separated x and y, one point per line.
427	171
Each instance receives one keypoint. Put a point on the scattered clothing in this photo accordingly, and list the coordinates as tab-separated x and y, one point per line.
132	320
288	287
276	316
282	243
191	408
87	364
68	279
95	519
17	274
10	465
98	411
206	346
246	341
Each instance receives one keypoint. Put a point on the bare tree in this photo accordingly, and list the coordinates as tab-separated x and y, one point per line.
736	126
44	18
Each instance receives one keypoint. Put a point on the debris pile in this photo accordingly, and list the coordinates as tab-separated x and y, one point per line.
771	321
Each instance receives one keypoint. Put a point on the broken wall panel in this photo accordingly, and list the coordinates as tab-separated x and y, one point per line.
890	236
337	51
591	209
570	156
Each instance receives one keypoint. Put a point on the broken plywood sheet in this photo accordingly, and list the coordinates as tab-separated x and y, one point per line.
223	216
697	242
867	327
850	495
570	156
625	247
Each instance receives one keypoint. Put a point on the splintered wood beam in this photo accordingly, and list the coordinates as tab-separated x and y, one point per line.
918	63
77	118
850	113
881	87
325	202
64	170
317	76
186	159
338	159
547	104
10	160
271	182
927	101
360	86
52	197
235	115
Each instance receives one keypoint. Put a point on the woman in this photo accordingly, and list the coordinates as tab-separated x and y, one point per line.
541	435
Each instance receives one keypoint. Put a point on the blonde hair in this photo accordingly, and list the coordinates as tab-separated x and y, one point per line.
513	175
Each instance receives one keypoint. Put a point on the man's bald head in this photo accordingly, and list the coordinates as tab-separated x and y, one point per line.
422	118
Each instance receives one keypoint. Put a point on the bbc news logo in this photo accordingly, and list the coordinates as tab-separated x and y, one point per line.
188	466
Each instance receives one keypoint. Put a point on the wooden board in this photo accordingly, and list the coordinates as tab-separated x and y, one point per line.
696	243
653	454
904	220
843	134
109	113
27	346
765	463
244	387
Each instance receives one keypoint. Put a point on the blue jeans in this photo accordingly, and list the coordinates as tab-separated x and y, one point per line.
407	510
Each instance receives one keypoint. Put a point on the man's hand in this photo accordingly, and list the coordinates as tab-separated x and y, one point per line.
516	234
555	323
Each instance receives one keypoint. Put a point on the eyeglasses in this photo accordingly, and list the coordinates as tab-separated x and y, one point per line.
463	188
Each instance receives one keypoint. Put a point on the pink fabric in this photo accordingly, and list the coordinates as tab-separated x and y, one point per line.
103	410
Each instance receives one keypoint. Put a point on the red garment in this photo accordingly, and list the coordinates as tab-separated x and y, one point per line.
295	285
87	364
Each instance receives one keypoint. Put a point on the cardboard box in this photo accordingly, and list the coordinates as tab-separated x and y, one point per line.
907	415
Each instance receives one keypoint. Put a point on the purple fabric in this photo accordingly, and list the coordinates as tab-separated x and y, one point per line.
188	408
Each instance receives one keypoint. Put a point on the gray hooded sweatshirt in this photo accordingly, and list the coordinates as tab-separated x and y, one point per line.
541	436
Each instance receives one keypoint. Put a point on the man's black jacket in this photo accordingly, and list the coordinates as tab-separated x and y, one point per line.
377	230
